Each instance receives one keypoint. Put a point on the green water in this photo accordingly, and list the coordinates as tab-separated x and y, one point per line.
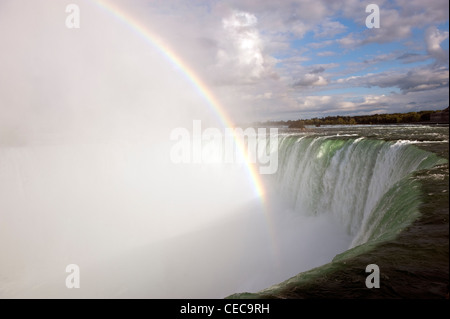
406	231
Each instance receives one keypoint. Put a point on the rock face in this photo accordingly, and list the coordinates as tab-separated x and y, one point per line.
440	117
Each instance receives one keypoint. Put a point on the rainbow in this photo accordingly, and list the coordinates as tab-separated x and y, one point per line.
208	96
193	78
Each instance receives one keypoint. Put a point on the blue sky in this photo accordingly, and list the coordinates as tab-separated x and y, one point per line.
293	59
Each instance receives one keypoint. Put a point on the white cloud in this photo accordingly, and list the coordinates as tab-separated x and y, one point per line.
417	79
241	53
433	39
397	20
347	105
315	102
329	29
311	79
326	53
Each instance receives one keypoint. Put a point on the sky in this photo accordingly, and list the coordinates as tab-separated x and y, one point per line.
262	60
312	58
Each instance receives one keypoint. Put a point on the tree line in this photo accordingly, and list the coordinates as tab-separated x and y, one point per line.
393	118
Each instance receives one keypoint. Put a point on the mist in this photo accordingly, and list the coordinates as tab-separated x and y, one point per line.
86	176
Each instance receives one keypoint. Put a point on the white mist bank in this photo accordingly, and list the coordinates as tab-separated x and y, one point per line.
87	200
139	228
85	122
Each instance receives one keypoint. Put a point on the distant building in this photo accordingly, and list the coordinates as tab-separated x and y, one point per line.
440	117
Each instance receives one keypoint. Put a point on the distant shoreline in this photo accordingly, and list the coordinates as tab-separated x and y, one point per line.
435	117
374	124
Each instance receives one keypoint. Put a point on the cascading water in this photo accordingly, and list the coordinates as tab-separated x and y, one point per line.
368	188
348	179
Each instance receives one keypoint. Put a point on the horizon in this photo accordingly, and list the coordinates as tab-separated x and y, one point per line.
363	115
